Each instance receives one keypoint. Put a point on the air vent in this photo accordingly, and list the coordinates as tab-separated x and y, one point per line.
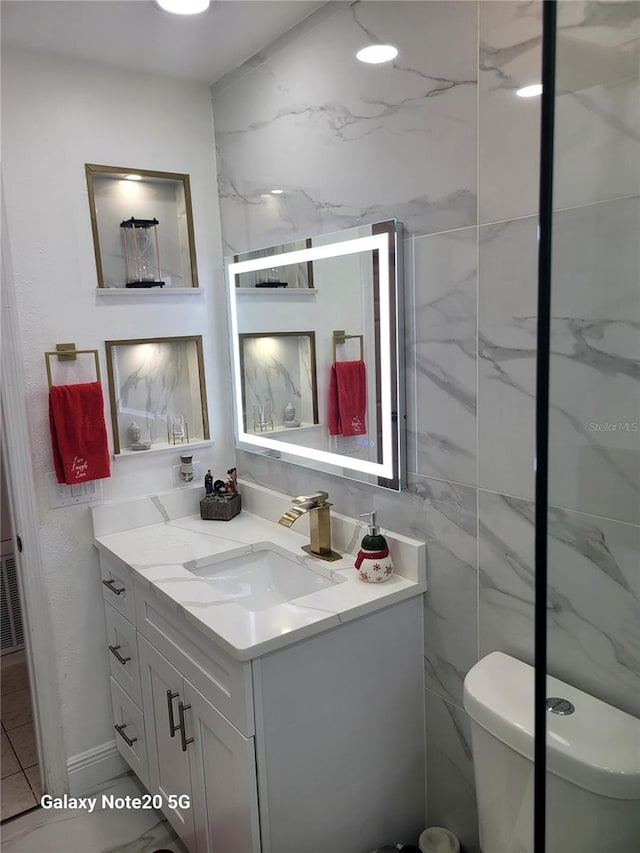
10	613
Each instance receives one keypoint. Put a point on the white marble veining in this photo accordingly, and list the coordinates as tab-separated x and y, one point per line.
450	781
507	345
160	555
594	417
597	128
593	598
451	619
396	140
445	355
510	34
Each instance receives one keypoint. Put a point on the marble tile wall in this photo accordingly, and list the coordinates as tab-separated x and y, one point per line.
440	141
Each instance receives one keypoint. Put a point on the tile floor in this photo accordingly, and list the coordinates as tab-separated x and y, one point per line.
101	831
21	784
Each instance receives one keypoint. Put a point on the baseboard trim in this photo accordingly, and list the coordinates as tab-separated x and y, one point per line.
94	767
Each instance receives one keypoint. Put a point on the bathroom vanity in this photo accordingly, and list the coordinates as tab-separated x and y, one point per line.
284	716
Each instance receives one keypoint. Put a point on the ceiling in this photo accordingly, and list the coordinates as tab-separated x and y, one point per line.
138	35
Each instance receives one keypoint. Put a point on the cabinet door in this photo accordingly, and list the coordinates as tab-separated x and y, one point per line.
169	775
223	780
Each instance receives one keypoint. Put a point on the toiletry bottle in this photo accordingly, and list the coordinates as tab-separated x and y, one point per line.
373	563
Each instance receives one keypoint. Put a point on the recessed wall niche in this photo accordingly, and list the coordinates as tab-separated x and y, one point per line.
142	229
157	393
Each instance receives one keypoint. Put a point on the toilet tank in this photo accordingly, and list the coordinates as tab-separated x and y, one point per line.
593	764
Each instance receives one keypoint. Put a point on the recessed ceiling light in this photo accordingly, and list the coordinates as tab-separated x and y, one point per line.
133	177
377	53
184	7
530	91
277	192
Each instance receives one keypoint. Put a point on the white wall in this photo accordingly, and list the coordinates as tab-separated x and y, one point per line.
57	116
6	530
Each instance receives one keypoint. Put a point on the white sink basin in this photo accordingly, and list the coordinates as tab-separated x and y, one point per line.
262	579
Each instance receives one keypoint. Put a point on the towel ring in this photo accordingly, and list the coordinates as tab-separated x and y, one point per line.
340	337
68	352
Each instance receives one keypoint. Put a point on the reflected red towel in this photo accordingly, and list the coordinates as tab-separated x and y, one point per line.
78	433
348	398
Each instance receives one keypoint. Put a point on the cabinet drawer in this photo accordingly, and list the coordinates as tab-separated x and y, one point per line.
117	587
129	731
225	681
122	647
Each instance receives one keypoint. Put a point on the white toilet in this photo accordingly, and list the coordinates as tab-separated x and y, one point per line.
593	764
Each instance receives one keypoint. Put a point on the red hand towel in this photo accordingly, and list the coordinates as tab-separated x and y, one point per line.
78	433
348	402
335	427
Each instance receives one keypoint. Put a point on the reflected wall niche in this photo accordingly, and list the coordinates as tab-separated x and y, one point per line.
157	393
279	386
142	228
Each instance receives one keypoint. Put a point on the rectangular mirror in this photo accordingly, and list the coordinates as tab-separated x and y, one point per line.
332	397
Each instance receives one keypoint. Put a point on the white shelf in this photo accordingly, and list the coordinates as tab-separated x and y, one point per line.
148	292
281	428
280	292
165	448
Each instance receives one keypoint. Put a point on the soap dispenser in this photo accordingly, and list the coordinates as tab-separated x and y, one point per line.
373	563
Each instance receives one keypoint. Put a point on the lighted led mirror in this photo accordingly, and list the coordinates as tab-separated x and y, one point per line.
330	397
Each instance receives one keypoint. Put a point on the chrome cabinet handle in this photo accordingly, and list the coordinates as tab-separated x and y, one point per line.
128	740
183	735
172	726
114	651
110	584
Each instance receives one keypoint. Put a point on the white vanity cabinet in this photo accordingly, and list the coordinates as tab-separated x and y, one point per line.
201	765
314	747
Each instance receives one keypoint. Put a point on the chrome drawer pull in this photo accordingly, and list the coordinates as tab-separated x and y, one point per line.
114	651
110	585
128	740
172	726
183	736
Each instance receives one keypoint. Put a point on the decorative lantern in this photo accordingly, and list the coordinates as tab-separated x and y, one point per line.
141	252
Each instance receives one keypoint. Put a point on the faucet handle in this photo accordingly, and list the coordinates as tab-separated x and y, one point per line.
316	499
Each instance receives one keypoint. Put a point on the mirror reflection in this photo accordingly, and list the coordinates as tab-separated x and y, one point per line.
330	397
279	381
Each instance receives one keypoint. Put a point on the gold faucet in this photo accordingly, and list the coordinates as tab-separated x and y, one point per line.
317	505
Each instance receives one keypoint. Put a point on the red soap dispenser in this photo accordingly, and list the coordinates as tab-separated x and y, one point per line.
373	563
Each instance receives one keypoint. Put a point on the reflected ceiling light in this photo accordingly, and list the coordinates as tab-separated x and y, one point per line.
377	53
133	177
530	91
184	7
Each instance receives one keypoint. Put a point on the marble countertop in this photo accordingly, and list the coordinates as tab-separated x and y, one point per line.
160	552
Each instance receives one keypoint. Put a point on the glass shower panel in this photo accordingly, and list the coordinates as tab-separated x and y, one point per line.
593	627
